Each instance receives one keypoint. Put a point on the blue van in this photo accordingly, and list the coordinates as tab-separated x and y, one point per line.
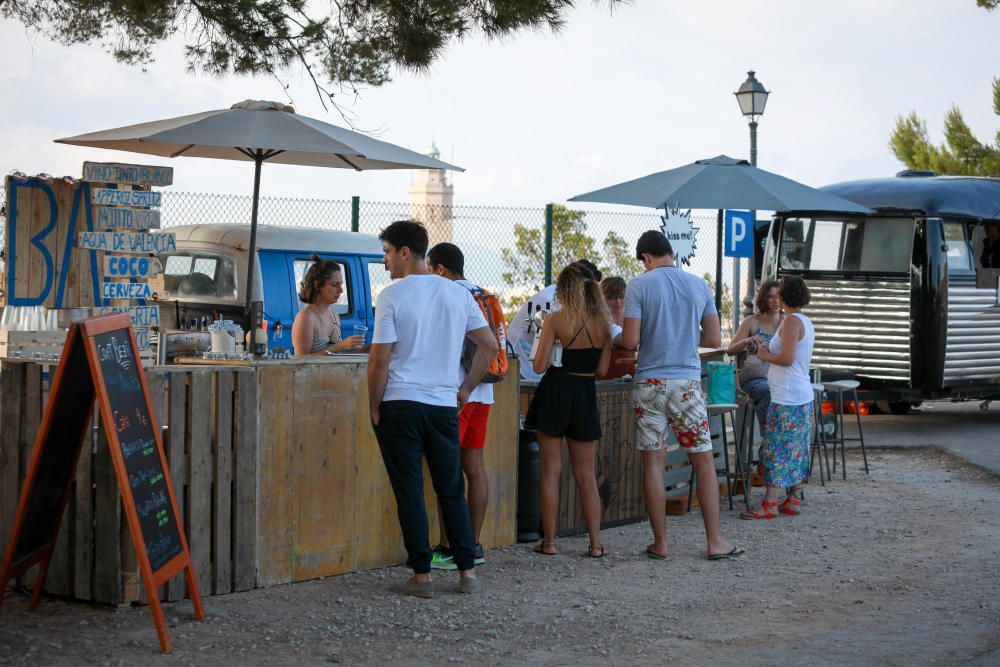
206	275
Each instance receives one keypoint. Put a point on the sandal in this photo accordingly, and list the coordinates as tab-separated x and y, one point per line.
594	553
541	548
764	513
792	505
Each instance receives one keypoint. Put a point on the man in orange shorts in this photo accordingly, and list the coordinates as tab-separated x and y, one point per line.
447	261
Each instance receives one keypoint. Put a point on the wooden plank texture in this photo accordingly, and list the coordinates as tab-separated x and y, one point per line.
245	438
222	486
177	455
199	508
276	518
83	516
11	391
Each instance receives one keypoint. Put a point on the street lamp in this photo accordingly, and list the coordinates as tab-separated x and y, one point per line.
752	97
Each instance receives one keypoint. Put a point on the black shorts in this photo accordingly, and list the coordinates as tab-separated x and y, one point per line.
565	405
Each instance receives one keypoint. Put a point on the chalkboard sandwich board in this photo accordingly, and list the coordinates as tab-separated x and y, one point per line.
100	362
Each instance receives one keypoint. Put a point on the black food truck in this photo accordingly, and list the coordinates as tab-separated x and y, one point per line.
905	299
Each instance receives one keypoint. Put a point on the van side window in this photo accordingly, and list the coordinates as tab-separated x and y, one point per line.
986	245
882	245
378	278
202	274
959	256
342	307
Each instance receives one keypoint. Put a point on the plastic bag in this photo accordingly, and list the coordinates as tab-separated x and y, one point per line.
721	383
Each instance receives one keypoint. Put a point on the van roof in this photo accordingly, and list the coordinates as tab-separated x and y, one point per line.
933	195
275	237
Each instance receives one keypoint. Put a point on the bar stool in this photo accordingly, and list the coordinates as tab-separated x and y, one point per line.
838	389
721	410
817	448
745	440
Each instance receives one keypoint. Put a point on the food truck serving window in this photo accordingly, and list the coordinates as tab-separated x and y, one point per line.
872	245
199	274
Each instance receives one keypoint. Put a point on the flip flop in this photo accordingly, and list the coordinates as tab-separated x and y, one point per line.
540	548
655	556
735	552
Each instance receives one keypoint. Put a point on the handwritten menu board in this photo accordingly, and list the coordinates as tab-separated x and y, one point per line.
134	431
101	362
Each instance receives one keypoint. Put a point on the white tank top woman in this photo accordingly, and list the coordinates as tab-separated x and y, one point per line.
791	385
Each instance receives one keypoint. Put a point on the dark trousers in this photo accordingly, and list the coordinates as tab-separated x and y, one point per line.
407	432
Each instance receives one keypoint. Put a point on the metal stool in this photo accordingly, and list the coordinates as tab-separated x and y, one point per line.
745	439
721	409
838	389
819	437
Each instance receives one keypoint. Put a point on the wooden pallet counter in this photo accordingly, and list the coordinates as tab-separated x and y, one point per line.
276	469
618	465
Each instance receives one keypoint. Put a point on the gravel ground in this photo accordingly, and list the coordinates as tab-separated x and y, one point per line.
896	568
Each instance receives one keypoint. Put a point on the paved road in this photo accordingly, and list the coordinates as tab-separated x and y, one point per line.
961	429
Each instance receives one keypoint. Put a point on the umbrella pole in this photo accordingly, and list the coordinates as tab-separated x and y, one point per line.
718	265
258	160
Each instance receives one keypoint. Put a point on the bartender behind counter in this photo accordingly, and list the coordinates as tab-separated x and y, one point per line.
316	329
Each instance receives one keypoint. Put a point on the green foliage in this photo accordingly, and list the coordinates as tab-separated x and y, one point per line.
988	4
726	311
347	42
525	262
961	154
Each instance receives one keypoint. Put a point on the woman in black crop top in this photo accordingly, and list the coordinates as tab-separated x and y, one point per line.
565	401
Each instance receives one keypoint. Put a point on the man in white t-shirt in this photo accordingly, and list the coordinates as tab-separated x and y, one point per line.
414	396
543	299
447	261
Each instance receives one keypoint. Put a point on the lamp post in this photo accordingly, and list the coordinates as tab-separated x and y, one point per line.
752	97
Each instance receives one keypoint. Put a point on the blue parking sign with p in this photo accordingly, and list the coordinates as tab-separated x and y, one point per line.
738	234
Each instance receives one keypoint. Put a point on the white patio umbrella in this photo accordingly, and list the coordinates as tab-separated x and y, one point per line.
258	132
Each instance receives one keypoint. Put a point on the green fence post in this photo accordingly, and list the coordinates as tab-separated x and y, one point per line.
548	244
355	212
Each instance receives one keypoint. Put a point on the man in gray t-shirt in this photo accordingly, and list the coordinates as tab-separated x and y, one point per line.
669	314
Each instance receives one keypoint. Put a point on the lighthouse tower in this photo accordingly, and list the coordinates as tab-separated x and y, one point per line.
431	197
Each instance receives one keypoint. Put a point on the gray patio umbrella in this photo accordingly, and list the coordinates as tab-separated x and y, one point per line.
258	132
722	182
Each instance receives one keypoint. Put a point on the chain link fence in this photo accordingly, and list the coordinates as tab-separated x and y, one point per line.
503	245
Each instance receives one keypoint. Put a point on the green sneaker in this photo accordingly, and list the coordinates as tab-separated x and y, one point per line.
442	558
480	558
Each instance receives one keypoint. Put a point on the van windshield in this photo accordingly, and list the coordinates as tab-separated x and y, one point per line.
866	245
199	274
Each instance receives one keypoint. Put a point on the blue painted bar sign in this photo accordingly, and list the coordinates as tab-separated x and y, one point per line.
126	291
126	242
126	218
142	316
131	266
132	174
111	197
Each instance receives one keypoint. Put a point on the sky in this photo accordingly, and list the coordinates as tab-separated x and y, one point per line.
539	117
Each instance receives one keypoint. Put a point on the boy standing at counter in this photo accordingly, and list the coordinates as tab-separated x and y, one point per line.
446	260
414	397
669	314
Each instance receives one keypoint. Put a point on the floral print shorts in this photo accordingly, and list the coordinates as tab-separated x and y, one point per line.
677	404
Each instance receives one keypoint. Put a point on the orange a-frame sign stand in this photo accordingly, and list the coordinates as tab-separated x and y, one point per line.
100	361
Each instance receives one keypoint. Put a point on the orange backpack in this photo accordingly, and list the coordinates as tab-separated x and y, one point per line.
490	305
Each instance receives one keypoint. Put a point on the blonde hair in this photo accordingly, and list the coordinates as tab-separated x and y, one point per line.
580	296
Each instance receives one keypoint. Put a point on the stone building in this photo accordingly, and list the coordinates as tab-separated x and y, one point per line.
431	197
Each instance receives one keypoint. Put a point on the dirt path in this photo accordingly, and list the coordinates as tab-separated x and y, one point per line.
897	568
